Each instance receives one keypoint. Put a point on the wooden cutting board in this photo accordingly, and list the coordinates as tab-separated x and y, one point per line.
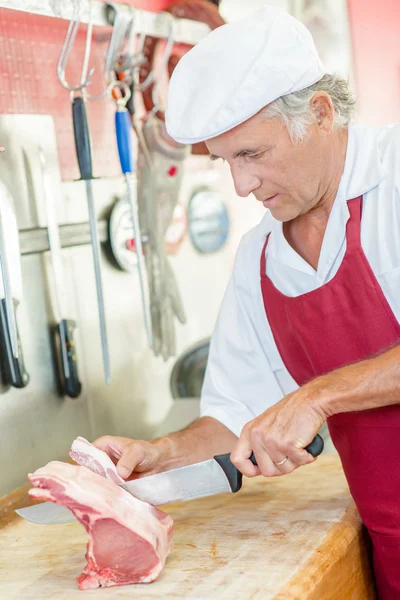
296	537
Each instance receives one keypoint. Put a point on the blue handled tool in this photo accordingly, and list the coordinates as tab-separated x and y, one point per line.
124	142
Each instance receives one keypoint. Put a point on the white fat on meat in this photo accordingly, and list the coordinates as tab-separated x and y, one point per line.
129	540
87	455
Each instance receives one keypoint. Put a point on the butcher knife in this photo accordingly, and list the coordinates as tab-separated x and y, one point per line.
68	368
207	478
10	293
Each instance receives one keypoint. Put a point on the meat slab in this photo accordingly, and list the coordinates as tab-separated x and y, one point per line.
129	540
87	455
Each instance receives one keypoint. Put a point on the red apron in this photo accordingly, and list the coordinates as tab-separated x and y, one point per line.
346	320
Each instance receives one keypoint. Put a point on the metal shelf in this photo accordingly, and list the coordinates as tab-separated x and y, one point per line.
150	23
34	241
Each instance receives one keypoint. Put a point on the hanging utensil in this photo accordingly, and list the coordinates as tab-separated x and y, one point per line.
159	182
83	152
120	55
84	157
68	371
125	152
11	282
123	62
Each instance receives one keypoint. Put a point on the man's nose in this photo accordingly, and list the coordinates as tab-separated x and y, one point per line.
245	182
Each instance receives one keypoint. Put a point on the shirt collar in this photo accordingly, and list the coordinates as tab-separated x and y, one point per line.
363	171
363	168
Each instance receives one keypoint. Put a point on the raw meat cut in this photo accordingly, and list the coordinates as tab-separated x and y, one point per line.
87	455
129	540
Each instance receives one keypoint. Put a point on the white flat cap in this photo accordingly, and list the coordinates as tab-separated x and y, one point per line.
236	70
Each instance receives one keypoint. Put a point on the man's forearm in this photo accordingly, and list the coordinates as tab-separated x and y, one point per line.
201	440
364	385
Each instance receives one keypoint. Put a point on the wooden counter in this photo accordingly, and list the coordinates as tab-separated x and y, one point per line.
296	537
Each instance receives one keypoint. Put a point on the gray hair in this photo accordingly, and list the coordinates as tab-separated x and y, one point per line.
296	113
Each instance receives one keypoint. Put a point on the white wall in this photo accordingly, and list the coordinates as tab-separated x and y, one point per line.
232	10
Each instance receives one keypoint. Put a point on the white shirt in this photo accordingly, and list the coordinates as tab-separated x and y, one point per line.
245	373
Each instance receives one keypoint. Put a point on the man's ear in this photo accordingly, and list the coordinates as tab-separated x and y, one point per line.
324	110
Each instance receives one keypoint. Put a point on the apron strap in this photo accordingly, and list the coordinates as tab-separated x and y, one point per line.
353	226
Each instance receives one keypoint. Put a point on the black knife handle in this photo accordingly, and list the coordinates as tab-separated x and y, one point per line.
235	477
82	138
14	368
316	446
70	384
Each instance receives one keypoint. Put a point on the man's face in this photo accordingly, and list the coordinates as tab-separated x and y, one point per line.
264	162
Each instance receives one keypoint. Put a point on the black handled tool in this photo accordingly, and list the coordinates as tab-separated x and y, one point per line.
11	280
84	156
235	477
70	384
14	366
68	369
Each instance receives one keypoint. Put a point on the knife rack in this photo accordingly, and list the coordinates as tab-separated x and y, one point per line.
156	24
36	241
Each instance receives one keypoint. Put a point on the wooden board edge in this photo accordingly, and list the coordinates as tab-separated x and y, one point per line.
17	499
340	568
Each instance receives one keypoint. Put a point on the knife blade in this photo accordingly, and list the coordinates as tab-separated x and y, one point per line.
46	513
207	478
185	483
70	384
11	293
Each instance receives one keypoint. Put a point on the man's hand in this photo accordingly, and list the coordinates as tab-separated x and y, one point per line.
133	458
199	441
284	430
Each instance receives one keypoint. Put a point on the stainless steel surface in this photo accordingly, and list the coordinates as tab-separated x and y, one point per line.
36	423
99	287
47	513
33	241
150	23
132	199
6	279
195	481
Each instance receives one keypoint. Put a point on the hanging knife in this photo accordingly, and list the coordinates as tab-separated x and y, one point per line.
68	369
206	478
10	342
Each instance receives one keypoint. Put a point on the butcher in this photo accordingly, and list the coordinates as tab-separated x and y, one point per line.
309	326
